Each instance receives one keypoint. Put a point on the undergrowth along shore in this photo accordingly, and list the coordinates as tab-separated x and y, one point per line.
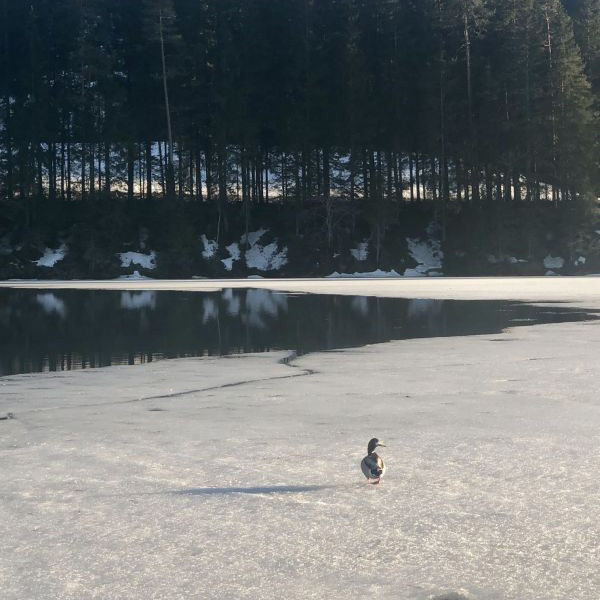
500	239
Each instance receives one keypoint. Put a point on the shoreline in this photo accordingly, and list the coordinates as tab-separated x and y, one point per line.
575	290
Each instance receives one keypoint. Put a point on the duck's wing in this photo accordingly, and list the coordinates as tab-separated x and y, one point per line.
372	466
380	466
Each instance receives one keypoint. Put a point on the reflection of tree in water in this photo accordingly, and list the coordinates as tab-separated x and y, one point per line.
253	307
429	313
137	300
51	304
360	305
261	305
81	328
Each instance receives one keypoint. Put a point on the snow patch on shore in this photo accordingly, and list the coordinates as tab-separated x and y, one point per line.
361	252
210	247
378	273
554	262
253	236
266	258
513	260
135	276
51	256
263	258
427	254
234	255
146	261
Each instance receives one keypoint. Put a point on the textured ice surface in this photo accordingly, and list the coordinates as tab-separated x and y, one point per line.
239	477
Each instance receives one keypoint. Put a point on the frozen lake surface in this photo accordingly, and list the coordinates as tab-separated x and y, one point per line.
56	330
239	477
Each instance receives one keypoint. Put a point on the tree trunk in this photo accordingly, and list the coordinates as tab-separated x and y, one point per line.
199	192
327	198
107	174
170	170
411	177
92	172
149	170
222	182
130	171
208	161
69	190
418	176
180	171
62	171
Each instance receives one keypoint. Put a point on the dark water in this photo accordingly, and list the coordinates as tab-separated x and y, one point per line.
43	330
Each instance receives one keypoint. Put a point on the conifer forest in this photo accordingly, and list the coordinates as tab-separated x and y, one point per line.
177	124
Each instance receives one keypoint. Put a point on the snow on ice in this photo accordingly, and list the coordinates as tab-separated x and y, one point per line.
239	477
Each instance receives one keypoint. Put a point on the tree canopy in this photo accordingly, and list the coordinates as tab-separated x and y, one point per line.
453	100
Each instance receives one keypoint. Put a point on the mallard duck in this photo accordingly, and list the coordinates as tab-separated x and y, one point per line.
372	464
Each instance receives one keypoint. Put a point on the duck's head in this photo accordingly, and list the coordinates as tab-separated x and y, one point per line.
374	443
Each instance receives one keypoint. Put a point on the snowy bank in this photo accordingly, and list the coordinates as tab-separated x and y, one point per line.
377	274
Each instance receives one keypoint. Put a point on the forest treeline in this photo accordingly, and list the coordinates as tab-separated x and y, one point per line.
352	106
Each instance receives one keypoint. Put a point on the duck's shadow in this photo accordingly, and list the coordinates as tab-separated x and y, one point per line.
275	489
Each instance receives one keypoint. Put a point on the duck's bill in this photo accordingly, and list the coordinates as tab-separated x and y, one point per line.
381	444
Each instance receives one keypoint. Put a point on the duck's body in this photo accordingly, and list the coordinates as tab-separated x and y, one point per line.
372	465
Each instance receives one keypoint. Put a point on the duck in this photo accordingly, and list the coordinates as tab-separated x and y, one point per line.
372	465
